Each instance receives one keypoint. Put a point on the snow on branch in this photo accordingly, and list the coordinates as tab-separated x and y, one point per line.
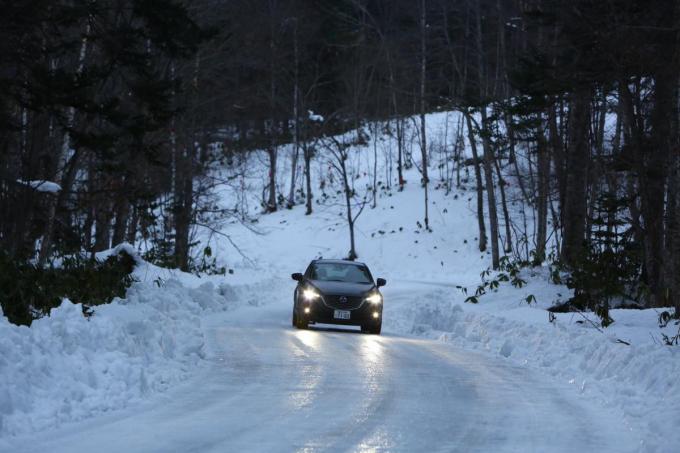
315	117
41	186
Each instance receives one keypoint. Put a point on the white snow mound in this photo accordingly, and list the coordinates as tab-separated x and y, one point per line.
67	367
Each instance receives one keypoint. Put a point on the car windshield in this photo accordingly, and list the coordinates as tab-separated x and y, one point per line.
339	272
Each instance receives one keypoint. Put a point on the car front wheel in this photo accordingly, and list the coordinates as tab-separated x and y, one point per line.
300	321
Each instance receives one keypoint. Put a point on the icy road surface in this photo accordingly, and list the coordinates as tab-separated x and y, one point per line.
272	388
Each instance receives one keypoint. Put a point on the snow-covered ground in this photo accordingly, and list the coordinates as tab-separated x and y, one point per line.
66	368
271	388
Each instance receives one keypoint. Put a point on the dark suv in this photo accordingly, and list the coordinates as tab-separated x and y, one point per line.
338	292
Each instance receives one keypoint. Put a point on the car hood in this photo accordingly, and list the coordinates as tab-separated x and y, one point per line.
342	288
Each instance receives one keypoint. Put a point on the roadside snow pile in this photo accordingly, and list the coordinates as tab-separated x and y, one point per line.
639	379
67	367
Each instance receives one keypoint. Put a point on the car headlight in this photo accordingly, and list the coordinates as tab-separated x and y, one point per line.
310	294
375	299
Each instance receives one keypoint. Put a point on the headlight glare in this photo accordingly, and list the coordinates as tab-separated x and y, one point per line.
310	294
375	299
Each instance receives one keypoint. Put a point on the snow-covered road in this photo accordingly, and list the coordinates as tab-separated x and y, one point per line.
274	388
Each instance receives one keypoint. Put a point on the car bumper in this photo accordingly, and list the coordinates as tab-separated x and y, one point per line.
364	315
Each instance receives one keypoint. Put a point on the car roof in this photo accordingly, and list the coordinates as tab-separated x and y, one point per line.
356	263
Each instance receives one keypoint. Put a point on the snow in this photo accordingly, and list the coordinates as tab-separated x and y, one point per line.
272	388
41	186
66	367
636	379
158	335
316	118
123	247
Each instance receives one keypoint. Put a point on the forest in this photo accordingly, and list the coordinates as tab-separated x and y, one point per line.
114	112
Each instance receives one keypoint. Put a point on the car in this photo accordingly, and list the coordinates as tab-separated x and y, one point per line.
338	292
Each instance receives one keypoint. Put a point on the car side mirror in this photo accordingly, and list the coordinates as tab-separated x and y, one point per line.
380	282
296	276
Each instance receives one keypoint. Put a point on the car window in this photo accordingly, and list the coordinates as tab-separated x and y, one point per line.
349	273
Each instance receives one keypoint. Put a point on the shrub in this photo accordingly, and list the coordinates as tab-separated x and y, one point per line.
609	269
28	292
509	271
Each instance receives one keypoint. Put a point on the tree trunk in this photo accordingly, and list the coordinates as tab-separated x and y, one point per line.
183	208
398	124
131	234
486	142
672	268
423	135
46	246
400	154
271	198
308	177
504	205
575	205
102	216
490	190
348	203
375	165
674	233
296	124
480	186
272	150
293	168
633	138
102	238
653	178
120	227
558	158
543	179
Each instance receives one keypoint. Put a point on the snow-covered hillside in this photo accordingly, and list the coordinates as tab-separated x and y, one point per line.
66	368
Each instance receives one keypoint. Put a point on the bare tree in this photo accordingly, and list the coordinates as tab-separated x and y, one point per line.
423	129
485	133
478	179
339	152
543	181
296	116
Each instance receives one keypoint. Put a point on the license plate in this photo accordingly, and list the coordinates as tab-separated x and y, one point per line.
341	314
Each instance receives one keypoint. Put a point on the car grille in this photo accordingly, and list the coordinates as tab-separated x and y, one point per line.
343	302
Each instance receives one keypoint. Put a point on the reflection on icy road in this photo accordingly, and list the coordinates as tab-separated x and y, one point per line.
273	388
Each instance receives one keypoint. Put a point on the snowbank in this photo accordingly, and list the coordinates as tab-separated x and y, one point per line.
67	367
640	379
